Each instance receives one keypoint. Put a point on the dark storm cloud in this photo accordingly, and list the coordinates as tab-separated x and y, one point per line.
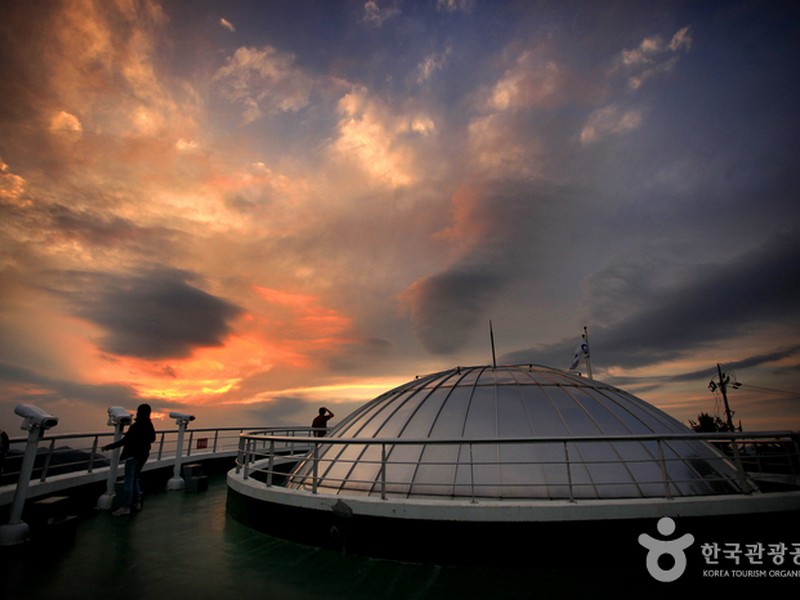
32	229
447	306
293	410
280	409
758	288
718	302
97	229
357	355
48	389
655	382
500	225
756	360
153	314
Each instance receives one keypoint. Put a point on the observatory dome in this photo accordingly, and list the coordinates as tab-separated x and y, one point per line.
514	432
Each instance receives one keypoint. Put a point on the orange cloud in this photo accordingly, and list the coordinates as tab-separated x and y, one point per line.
12	186
264	80
534	81
378	140
281	340
301	317
202	378
104	73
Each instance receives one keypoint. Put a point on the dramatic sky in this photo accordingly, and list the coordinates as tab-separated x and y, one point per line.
248	209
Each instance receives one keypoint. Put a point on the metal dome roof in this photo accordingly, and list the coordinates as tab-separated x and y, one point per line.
581	419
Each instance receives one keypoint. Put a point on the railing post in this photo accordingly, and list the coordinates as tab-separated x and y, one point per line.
662	463
47	459
248	448
315	468
383	471
161	445
270	462
216	438
90	468
747	487
189	446
794	442
569	472
471	474
240	455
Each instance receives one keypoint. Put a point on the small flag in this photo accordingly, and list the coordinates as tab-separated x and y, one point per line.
582	351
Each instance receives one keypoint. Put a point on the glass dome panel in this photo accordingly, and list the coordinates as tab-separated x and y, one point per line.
469	405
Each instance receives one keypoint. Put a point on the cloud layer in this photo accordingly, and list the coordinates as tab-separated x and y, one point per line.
254	212
154	314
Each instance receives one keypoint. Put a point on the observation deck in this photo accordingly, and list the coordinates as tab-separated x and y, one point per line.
254	531
469	458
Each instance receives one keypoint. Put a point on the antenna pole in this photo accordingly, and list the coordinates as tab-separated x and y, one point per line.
491	339
724	379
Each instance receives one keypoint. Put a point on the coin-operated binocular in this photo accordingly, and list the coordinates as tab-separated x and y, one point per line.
118	417
181	418
35	421
35	417
176	482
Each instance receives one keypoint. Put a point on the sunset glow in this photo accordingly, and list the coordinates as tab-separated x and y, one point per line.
249	210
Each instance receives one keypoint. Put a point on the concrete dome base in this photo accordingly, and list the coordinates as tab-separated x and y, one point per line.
486	532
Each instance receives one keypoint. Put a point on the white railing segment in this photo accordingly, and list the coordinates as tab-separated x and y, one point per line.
72	459
752	457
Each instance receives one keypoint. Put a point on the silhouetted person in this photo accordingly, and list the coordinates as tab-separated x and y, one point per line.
135	450
320	422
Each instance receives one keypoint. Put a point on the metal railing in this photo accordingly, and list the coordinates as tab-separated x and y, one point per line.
64	460
263	453
576	465
80	453
274	447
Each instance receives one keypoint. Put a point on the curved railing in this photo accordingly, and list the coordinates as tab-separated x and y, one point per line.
763	457
75	458
58	454
72	459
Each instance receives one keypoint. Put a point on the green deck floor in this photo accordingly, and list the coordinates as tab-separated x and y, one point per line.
185	546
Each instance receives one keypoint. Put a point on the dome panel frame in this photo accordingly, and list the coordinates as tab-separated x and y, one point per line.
513	432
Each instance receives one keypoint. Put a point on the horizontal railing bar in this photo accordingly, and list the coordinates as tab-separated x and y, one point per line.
91	434
53	448
526	440
782	447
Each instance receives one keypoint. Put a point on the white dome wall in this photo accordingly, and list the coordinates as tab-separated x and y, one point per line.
515	402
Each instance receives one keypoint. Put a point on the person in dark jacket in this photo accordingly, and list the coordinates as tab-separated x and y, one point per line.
320	422
135	450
